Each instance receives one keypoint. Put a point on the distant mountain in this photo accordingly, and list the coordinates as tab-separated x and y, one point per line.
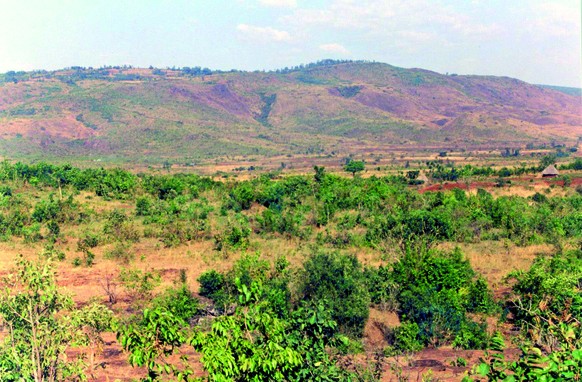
151	115
565	89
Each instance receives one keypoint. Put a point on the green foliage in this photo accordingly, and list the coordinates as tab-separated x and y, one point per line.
349	91
235	235
407	338
119	227
179	302
439	298
222	289
120	252
211	283
548	292
425	224
319	174
339	282
114	184
255	345
252	344
139	284
43	324
143	206
547	160
382	287
563	363
436	291
268	101
156	336
241	196
355	166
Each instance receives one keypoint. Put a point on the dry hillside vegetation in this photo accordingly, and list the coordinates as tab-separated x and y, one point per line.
151	115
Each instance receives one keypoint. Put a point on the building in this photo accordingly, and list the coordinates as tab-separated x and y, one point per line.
550	172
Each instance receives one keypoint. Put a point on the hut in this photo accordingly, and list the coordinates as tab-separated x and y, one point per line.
550	172
422	177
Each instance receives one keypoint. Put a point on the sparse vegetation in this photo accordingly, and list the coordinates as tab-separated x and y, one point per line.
302	264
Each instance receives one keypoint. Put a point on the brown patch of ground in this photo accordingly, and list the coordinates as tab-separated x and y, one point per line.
64	127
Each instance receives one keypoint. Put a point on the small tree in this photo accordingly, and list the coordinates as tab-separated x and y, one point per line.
354	166
547	160
42	324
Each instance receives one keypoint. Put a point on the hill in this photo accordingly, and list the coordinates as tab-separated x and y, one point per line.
124	114
565	89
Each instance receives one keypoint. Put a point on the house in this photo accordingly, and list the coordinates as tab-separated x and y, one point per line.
550	172
422	177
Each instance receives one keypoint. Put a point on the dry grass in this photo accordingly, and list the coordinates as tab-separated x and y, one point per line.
495	259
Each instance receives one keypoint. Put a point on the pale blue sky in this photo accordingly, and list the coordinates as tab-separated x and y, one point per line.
538	41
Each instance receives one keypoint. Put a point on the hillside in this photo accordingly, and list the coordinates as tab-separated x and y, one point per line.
150	115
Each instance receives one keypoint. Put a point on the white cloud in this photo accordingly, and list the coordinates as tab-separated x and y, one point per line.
382	17
279	3
556	19
263	34
334	48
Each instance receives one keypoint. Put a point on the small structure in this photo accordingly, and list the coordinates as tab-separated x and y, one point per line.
550	172
422	177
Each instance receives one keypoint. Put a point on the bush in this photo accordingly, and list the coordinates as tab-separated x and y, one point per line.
236	235
143	206
407	338
382	287
211	283
179	302
471	335
88	240
32	233
118	227
338	281
222	288
548	292
120	252
139	284
436	291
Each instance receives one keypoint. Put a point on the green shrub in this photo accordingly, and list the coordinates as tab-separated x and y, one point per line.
241	197
120	252
143	206
339	282
236	235
118	227
382	287
548	292
435	293
32	233
480	297
471	335
179	302
211	283
407	338
139	284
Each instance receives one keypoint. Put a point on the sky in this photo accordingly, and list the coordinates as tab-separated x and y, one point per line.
538	41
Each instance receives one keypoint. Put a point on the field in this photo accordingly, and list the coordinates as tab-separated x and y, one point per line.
411	276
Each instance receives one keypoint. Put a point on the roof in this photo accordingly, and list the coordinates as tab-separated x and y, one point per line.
550	170
422	177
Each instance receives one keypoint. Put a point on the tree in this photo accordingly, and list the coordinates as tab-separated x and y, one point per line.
252	344
547	160
339	282
354	166
319	174
42	324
